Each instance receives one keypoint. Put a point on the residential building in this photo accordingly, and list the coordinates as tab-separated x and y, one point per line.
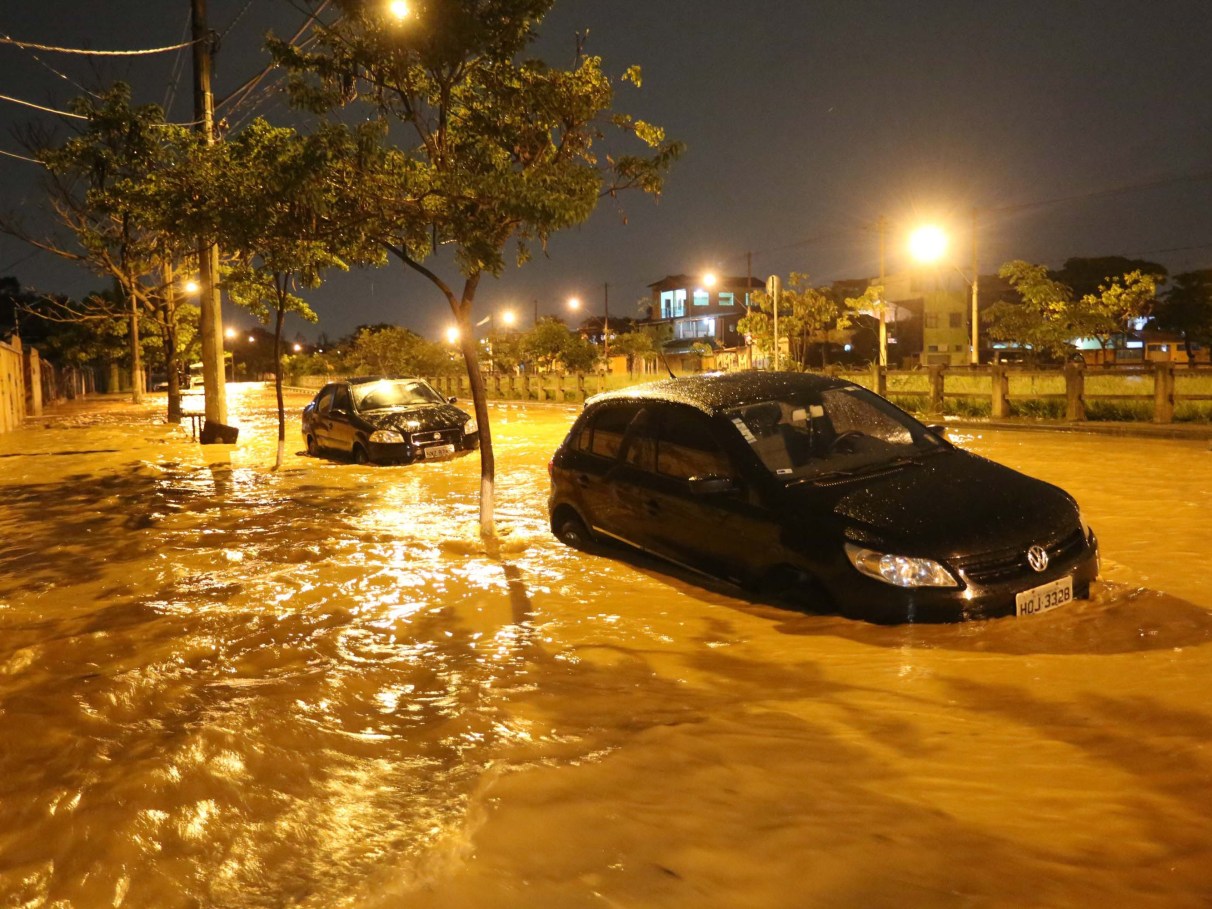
691	315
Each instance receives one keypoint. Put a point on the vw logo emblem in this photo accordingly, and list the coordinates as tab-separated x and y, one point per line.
1037	558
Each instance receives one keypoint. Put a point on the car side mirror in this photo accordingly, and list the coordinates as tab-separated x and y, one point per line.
938	429
338	412
452	400
712	485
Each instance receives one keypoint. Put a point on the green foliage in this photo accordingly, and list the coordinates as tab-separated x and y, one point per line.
1097	411
806	314
393	351
634	345
498	149
1050	316
1186	306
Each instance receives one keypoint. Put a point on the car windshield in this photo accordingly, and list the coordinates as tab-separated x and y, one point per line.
394	393
843	431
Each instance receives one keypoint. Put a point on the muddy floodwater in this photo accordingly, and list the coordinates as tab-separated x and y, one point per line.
227	686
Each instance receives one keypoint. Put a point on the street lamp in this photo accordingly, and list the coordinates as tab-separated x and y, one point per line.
929	244
399	10
452	335
230	333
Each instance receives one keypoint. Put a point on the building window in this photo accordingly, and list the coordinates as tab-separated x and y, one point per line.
667	304
727	298
955	319
701	297
933	348
931	320
696	328
679	303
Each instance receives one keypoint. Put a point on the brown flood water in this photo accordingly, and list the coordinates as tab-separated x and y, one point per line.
225	686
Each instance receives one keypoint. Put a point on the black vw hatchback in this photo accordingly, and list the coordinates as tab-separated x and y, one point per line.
821	492
375	418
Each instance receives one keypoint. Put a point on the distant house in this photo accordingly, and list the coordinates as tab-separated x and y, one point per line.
692	315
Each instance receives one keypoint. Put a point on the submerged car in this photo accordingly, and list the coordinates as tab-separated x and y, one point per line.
820	492
379	419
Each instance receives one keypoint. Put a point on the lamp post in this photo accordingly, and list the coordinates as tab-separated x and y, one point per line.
231	336
606	325
773	287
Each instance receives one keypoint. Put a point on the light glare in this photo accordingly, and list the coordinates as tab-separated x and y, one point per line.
928	243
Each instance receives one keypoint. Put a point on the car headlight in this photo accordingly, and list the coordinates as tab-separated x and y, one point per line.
386	435
470	426
899	570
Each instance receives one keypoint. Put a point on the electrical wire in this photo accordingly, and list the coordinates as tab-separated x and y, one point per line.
62	75
30	45
170	90
9	154
49	110
232	24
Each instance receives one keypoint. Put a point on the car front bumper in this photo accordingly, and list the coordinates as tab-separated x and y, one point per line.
860	597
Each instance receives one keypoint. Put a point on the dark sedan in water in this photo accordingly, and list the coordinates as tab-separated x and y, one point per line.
821	492
381	419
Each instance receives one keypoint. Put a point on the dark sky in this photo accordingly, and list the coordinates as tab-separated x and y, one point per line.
1075	128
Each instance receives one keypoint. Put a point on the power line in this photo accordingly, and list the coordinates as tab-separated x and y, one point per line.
232	24
49	110
1099	193
45	65
9	154
29	45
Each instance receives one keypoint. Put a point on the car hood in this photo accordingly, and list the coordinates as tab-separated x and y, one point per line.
951	504
432	417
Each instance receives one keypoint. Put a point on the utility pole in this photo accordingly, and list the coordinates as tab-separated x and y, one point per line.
975	357
883	307
773	288
211	314
606	326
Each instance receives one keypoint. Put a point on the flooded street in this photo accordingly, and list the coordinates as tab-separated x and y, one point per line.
227	686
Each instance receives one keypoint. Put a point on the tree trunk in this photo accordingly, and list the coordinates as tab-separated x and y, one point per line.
467	344
281	314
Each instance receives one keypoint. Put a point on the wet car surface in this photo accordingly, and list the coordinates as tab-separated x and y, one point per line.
821	492
381	419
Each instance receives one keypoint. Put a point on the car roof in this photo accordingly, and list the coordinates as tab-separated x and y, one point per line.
716	392
363	380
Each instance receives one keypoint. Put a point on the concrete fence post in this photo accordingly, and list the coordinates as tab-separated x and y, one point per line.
1075	392
581	395
1163	393
938	372
999	381
879	379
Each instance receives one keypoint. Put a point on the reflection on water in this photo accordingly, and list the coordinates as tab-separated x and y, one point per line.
222	685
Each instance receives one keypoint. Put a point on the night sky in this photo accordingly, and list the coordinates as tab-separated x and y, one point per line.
1075	129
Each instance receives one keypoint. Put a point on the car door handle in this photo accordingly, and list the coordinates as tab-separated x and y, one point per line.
653	507
582	480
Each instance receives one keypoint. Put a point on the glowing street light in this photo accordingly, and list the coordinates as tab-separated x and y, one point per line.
509	317
399	10
929	244
574	303
709	279
191	287
452	335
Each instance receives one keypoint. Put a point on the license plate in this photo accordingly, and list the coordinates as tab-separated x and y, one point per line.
1044	597
439	451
